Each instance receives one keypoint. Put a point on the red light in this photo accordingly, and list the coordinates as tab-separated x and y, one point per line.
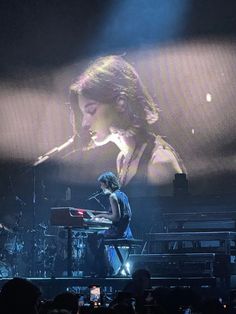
80	212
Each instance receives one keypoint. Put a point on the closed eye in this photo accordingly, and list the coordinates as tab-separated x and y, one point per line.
91	108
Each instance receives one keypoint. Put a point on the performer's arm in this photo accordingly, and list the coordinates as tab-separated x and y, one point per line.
115	214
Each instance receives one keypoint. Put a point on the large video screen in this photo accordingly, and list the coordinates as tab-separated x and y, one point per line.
145	115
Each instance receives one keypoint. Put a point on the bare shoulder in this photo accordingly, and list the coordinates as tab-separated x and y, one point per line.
163	155
163	165
113	197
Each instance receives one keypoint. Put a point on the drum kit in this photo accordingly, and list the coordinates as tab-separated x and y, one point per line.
38	252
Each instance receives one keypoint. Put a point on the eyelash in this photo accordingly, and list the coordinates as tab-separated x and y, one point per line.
92	110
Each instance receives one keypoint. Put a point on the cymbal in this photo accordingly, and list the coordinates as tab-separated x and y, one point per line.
3	227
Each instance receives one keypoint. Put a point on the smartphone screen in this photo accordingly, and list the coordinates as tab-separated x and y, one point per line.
95	295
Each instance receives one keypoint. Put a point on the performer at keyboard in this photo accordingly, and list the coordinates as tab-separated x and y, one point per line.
120	215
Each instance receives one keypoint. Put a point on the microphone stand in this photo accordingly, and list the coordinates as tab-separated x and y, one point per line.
33	230
40	160
98	201
55	150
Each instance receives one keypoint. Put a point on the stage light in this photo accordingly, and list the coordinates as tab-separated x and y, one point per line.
208	97
128	268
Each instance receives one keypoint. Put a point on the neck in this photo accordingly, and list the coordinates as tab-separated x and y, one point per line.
126	144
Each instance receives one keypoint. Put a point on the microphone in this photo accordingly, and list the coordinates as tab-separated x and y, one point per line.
57	149
94	195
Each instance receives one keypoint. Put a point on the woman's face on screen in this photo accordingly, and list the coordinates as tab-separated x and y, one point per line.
98	118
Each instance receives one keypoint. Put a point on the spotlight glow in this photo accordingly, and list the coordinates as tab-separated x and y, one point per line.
208	97
127	266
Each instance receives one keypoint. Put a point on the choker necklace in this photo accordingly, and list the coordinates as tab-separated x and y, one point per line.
123	174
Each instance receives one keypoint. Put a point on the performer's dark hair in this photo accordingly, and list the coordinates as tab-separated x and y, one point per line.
110	179
111	77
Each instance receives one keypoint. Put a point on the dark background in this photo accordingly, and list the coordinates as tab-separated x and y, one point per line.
182	50
50	33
